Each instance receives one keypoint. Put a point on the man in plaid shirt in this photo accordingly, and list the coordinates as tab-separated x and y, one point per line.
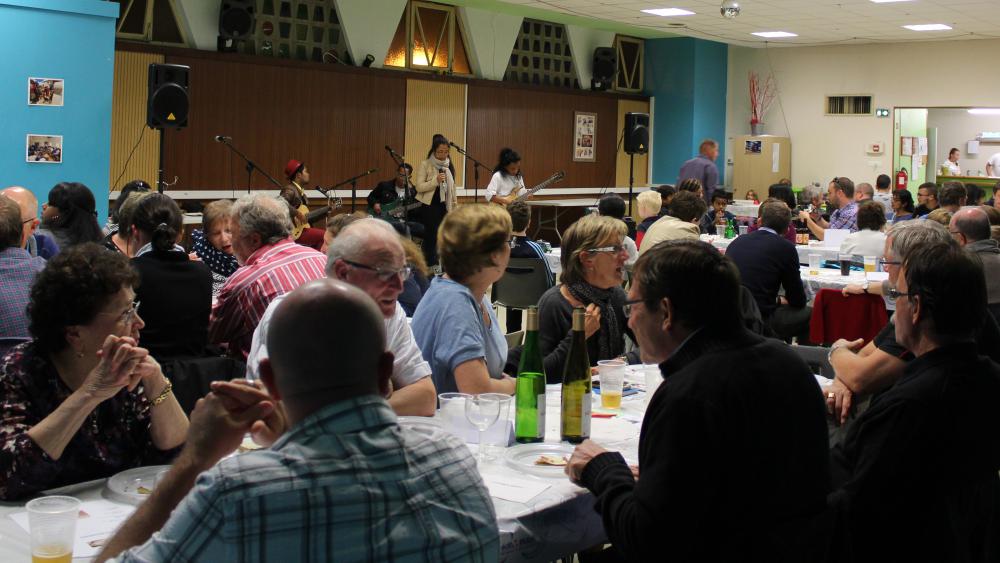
17	272
840	195
343	483
272	265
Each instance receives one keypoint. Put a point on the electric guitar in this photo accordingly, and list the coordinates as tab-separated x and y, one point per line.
528	193
394	210
332	203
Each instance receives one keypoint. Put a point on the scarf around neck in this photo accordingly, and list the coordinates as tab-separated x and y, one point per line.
610	339
449	179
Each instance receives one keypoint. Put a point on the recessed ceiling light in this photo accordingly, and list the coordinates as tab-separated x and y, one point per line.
928	27
774	34
668	12
985	111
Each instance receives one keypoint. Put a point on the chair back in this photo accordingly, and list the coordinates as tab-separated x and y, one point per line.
836	316
523	284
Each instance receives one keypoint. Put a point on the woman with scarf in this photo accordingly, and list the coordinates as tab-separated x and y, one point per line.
593	266
214	244
435	183
175	293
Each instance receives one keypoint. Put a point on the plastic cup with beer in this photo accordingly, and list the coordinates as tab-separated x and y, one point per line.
52	521
814	261
612	375
870	264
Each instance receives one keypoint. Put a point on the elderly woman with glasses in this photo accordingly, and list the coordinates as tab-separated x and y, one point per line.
593	267
454	324
82	400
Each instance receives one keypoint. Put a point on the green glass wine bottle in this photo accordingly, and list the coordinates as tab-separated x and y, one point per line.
574	421
529	397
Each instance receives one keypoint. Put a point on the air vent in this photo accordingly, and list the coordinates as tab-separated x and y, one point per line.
848	105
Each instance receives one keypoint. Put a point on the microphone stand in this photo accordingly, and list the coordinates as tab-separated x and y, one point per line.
354	186
250	166
475	170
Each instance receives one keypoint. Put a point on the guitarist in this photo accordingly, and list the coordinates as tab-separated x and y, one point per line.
298	204
399	189
507	180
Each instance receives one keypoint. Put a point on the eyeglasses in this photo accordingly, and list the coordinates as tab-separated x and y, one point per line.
384	275
26	221
128	315
883	262
896	294
628	306
613	249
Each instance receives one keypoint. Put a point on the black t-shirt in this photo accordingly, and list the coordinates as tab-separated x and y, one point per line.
988	341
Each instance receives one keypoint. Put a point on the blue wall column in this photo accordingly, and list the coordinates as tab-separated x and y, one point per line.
688	79
73	40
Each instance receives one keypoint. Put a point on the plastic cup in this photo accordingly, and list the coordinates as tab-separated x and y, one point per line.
52	521
814	262
720	231
496	438
845	264
452	407
870	264
744	229
612	376
653	379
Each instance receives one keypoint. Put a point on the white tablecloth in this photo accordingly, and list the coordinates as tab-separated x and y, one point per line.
815	247
831	279
556	523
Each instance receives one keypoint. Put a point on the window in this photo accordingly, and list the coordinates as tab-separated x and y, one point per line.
848	105
542	56
630	63
153	21
307	30
429	37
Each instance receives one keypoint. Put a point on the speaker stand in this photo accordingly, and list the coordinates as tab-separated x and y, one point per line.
159	165
631	179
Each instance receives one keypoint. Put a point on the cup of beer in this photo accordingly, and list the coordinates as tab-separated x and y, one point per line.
870	264
52	521
612	376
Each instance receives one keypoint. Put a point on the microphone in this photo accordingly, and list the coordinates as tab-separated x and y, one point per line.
372	171
222	139
443	185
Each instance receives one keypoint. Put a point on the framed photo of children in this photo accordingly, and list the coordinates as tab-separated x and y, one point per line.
47	149
584	136
46	91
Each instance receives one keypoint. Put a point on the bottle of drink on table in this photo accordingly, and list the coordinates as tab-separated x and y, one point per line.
574	419
529	397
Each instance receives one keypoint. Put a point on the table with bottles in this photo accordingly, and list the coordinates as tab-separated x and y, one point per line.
830	253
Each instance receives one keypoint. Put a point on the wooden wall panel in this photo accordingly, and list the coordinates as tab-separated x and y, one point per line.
335	122
641	174
434	107
128	121
539	125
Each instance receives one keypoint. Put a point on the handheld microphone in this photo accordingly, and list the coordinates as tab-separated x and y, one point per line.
443	185
222	139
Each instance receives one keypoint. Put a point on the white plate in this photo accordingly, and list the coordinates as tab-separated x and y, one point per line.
522	457
123	487
420	424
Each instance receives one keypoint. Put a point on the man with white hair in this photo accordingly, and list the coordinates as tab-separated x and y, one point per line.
367	254
271	265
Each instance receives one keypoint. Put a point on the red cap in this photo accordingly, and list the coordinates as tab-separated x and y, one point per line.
292	168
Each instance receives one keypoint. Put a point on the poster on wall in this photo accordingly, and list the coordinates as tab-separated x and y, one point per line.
752	146
584	136
46	91
44	149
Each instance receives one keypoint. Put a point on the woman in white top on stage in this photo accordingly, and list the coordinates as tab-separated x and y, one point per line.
507	180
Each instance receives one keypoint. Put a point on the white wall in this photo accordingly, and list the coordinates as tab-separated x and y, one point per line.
956	127
929	74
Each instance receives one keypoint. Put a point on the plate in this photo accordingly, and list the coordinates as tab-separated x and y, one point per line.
420	424
124	487
522	457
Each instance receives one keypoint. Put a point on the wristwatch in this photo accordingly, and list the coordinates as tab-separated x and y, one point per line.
865	285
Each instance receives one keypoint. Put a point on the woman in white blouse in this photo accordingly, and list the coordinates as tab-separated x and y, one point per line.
952	163
507	179
869	240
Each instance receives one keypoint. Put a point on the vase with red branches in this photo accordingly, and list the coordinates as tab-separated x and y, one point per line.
761	97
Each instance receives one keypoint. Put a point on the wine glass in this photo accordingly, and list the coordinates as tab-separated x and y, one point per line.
482	411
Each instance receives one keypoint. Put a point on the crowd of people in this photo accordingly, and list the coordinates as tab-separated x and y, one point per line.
741	455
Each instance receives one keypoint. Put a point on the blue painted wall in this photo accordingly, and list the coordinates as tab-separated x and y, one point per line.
688	80
69	39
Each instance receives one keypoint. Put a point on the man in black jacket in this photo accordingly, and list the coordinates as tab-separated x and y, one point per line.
767	261
917	472
391	191
733	459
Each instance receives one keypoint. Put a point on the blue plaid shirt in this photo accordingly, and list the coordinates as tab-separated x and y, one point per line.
345	484
17	272
845	218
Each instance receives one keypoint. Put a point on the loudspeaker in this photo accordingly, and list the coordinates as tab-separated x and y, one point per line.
236	19
167	97
636	133
605	67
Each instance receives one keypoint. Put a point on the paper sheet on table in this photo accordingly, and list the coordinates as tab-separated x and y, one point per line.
512	488
98	521
833	237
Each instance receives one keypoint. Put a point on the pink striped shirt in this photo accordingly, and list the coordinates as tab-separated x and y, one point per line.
272	270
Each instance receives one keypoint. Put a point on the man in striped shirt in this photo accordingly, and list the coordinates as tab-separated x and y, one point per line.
271	265
343	483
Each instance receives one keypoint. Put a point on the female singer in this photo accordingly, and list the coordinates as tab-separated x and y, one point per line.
507	179
435	183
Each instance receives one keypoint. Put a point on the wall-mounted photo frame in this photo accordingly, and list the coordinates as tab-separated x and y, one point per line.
584	136
46	92
44	149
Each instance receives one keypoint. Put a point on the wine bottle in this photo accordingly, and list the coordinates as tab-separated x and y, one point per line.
529	397
574	421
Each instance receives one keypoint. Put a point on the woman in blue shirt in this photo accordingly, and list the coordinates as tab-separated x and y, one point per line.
454	325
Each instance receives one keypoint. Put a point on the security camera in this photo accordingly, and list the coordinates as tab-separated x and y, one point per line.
730	9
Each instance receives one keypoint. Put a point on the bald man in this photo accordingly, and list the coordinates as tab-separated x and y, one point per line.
35	243
343	482
863	191
970	226
367	254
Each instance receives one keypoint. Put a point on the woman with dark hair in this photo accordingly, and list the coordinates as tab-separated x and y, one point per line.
507	179
175	291
782	192
435	184
114	218
70	216
974	195
902	206
692	185
118	241
82	400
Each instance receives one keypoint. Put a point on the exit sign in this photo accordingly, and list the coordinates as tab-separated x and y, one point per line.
881	112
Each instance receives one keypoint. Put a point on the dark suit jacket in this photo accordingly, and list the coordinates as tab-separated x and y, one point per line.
385	192
767	261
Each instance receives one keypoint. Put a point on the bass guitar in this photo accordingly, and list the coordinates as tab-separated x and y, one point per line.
394	210
530	192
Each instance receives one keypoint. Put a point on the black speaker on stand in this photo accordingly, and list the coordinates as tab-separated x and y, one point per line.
167	103
237	19
635	140
605	68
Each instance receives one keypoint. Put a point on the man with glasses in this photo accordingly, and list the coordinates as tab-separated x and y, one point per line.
916	475
17	272
927	199
840	194
35	243
367	254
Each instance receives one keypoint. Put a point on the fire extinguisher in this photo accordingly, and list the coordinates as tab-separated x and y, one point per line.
901	179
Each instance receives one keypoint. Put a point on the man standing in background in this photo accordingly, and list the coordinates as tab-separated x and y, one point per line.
703	168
